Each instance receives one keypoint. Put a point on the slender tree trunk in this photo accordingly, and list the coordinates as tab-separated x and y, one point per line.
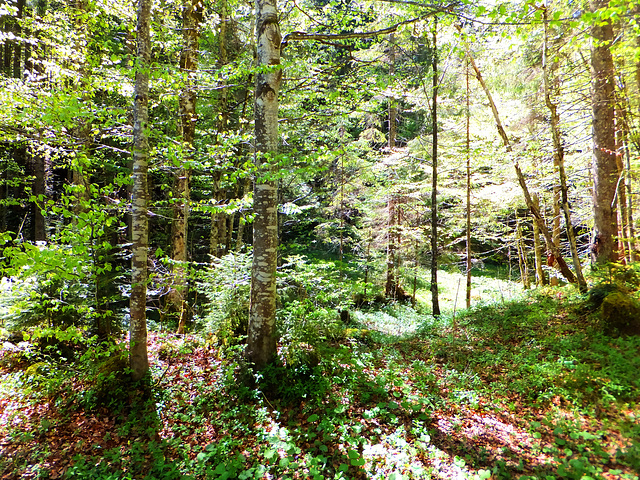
261	341
17	52
434	177
214	236
522	255
633	241
492	104
624	169
559	161
246	185
191	18
468	153
138	358
9	25
39	191
391	282
541	278
393	107
604	155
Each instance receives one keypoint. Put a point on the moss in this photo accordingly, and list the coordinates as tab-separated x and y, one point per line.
621	313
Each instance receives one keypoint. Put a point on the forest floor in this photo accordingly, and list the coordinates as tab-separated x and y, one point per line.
522	389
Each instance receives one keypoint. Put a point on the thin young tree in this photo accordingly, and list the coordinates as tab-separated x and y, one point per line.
138	358
191	18
261	340
468	209
558	150
435	305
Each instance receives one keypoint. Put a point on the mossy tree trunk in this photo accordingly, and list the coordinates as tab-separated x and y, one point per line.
605	169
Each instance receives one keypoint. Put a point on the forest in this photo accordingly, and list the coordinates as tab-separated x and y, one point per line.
319	239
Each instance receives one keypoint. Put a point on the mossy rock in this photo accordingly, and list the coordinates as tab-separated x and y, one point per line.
599	292
36	370
621	314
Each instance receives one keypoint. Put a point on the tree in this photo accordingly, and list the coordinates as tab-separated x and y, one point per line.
604	166
435	305
138	359
558	148
261	341
191	17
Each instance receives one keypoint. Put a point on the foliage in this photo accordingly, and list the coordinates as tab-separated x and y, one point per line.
226	286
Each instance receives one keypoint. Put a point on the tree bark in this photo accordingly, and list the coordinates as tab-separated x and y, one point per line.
604	147
435	305
261	341
138	358
191	18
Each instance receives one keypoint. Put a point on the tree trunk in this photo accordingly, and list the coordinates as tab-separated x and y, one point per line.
541	278
393	107
435	309
624	170
522	255
191	18
138	359
39	191
494	110
559	161
17	52
261	341
468	153
552	247
246	185
604	248
391	284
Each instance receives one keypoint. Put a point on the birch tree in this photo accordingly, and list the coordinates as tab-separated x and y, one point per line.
138	359
261	341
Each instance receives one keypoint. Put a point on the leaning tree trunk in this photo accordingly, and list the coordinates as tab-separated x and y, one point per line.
604	248
492	104
552	247
435	309
261	341
559	161
191	17
138	359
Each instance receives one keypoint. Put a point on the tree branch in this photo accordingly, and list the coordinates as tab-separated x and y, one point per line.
345	36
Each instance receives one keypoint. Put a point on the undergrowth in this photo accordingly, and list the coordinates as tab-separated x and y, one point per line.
527	388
